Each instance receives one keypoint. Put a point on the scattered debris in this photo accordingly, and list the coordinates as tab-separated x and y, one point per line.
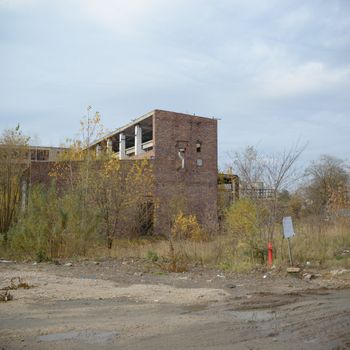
293	269
339	272
308	263
16	283
68	264
308	276
230	286
221	276
5	296
7	261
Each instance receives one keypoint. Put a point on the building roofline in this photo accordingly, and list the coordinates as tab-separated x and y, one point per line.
190	115
119	130
138	120
48	147
32	147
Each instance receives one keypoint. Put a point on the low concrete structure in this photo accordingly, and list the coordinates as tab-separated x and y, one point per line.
45	154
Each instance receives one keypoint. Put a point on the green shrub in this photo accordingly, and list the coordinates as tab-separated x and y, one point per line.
53	226
243	222
152	256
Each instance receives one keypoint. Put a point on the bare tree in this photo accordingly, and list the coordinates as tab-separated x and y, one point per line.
328	180
249	166
264	177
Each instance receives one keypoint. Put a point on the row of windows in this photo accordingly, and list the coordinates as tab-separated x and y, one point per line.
22	154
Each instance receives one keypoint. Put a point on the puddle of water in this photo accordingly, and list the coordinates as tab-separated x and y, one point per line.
254	315
85	336
310	341
194	308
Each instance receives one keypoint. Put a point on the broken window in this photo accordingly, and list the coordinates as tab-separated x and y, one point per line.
146	218
33	154
43	154
199	146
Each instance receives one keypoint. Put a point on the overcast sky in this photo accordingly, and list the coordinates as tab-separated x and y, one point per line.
274	72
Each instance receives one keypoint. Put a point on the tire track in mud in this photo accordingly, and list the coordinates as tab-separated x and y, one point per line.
312	319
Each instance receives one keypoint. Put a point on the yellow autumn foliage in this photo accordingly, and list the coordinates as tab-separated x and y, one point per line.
242	218
186	227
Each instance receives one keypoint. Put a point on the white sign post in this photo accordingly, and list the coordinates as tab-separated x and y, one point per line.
288	232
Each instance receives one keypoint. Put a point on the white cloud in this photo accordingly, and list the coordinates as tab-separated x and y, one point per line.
122	17
300	79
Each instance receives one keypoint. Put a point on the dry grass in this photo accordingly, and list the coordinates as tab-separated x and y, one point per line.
207	252
318	242
323	244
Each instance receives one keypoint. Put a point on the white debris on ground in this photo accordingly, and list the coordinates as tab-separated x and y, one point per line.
339	272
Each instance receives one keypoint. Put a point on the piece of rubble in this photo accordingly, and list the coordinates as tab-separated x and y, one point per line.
16	283
308	276
68	264
339	272
293	269
5	296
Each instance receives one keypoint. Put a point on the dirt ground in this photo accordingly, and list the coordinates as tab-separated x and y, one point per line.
132	304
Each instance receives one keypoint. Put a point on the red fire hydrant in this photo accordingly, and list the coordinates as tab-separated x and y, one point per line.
269	254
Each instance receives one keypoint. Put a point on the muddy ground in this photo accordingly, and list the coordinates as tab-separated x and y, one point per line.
128	304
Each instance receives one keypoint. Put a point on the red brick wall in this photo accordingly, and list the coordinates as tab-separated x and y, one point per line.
195	185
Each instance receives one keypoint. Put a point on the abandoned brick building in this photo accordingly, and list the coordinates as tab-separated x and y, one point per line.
183	151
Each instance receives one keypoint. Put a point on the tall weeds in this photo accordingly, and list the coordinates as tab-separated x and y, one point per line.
52	226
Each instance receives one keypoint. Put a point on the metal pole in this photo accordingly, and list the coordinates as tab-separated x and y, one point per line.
23	195
290	252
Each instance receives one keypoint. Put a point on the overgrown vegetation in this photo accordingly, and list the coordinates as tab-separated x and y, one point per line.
86	202
14	161
93	207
